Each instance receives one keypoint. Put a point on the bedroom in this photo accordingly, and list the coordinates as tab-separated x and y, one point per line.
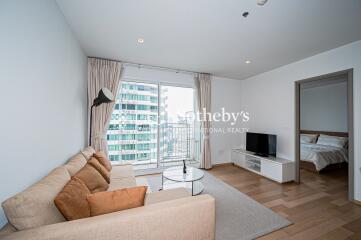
325	127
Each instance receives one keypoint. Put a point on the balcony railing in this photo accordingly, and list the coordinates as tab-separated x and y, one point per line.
177	142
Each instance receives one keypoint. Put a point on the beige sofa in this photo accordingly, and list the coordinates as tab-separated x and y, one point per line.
169	214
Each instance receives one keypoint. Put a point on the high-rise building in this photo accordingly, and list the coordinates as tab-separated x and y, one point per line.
142	133
132	133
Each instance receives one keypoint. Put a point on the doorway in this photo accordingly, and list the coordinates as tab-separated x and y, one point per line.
321	147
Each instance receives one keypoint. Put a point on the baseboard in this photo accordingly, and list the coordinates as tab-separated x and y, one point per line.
357	202
238	166
222	165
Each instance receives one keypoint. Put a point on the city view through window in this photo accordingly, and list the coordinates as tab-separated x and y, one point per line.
151	126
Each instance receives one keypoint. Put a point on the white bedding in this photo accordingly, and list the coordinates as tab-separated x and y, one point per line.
322	155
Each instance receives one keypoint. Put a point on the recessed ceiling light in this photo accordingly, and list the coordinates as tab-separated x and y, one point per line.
261	2
140	40
247	61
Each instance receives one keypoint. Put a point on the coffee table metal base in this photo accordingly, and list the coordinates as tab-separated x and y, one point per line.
174	177
194	188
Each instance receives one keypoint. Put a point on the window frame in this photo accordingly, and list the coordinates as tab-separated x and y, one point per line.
159	85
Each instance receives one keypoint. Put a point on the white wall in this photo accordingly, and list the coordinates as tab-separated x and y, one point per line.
225	94
43	93
270	98
324	108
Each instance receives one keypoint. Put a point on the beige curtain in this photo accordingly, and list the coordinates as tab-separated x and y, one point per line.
102	73
203	83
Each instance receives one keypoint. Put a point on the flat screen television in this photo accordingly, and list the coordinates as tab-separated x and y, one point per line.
261	144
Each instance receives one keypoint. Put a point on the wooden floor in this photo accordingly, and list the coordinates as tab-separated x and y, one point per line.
318	206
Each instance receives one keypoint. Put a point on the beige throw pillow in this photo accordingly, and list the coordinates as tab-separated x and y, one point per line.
34	207
88	152
75	163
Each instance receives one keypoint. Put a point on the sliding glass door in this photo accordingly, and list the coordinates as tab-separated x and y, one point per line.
151	126
177	126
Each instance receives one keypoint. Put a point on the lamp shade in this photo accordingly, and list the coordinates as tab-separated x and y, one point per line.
104	96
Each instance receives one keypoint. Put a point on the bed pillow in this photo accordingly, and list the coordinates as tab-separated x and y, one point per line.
333	141
308	138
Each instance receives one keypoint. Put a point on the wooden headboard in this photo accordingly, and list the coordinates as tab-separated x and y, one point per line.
338	134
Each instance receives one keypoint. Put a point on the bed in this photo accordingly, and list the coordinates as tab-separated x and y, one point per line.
319	157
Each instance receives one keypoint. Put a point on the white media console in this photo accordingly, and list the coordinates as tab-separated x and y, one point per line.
277	169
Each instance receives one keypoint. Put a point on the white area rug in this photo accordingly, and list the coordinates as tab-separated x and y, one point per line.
237	215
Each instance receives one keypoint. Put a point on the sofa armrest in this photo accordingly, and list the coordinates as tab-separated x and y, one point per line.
189	218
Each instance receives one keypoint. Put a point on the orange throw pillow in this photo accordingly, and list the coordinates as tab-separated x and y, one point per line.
71	201
103	159
107	202
92	179
100	168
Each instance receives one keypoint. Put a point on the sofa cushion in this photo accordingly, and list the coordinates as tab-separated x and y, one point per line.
92	179
35	206
119	183
122	176
75	164
122	171
108	202
7	230
103	159
88	152
71	201
166	195
100	168
142	181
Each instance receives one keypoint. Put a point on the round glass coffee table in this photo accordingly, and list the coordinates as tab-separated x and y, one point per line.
174	177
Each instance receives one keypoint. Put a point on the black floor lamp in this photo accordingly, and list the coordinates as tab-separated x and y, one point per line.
104	96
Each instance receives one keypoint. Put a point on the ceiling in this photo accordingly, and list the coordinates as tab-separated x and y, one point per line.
211	35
